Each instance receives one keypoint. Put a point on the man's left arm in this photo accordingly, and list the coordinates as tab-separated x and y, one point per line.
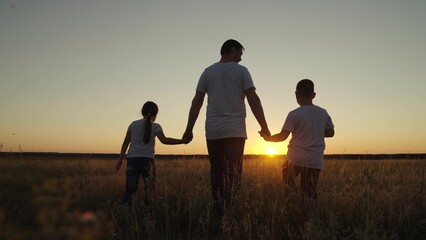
329	132
329	128
257	109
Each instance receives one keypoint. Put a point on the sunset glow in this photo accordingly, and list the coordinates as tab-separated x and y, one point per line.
271	151
75	74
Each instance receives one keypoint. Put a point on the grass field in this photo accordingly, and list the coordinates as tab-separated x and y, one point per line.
47	198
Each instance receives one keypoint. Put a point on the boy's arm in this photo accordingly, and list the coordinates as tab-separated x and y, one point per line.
124	147
170	141
329	132
279	137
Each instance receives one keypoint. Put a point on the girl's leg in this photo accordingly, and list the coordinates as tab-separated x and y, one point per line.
148	174
132	181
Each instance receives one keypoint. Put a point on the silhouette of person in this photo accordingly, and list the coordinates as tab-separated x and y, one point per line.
141	136
226	84
308	125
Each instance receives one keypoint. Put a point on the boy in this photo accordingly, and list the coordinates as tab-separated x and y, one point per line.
309	124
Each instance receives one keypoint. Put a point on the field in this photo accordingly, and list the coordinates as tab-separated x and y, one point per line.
49	198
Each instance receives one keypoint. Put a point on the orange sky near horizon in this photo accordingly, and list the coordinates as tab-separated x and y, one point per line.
74	74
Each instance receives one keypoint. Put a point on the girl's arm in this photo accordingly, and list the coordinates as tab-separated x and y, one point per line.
279	137
124	147
169	141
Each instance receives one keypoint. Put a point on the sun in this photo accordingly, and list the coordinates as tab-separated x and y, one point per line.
271	151
265	148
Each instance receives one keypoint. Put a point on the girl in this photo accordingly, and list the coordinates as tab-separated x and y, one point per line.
140	158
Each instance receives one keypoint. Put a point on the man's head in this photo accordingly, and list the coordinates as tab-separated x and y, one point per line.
232	50
305	90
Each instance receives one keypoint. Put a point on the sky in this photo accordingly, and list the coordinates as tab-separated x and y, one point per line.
74	74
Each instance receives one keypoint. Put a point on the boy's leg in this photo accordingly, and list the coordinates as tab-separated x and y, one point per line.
234	149
289	175
217	165
309	180
132	181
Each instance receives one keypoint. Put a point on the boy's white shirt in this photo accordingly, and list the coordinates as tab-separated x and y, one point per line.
137	147
307	125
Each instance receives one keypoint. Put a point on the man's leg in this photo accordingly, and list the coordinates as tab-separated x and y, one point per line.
217	165
234	150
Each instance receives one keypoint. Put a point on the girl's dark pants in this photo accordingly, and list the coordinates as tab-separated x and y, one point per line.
136	167
226	166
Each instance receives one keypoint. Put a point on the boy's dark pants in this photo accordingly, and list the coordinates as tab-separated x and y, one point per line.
308	179
136	167
226	166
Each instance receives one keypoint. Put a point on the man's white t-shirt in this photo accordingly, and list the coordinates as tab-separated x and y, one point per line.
307	125
225	84
137	147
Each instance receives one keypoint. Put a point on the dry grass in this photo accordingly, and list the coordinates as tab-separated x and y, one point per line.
77	199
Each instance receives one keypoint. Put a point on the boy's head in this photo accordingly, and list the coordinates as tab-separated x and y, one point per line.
305	90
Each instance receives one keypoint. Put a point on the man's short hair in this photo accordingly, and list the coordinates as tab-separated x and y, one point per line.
228	45
305	87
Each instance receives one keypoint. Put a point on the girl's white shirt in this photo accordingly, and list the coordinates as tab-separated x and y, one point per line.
137	147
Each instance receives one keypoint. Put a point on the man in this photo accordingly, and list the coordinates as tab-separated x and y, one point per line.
227	84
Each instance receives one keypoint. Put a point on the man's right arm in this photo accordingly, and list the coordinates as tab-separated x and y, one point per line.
257	109
194	111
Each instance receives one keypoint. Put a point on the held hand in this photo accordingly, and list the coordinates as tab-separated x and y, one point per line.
188	136
119	163
263	135
186	140
265	132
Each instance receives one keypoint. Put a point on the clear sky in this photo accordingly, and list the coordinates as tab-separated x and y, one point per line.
74	74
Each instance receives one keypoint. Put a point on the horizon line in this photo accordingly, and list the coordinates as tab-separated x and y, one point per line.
326	156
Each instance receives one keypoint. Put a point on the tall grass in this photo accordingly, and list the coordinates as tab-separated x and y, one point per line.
77	199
